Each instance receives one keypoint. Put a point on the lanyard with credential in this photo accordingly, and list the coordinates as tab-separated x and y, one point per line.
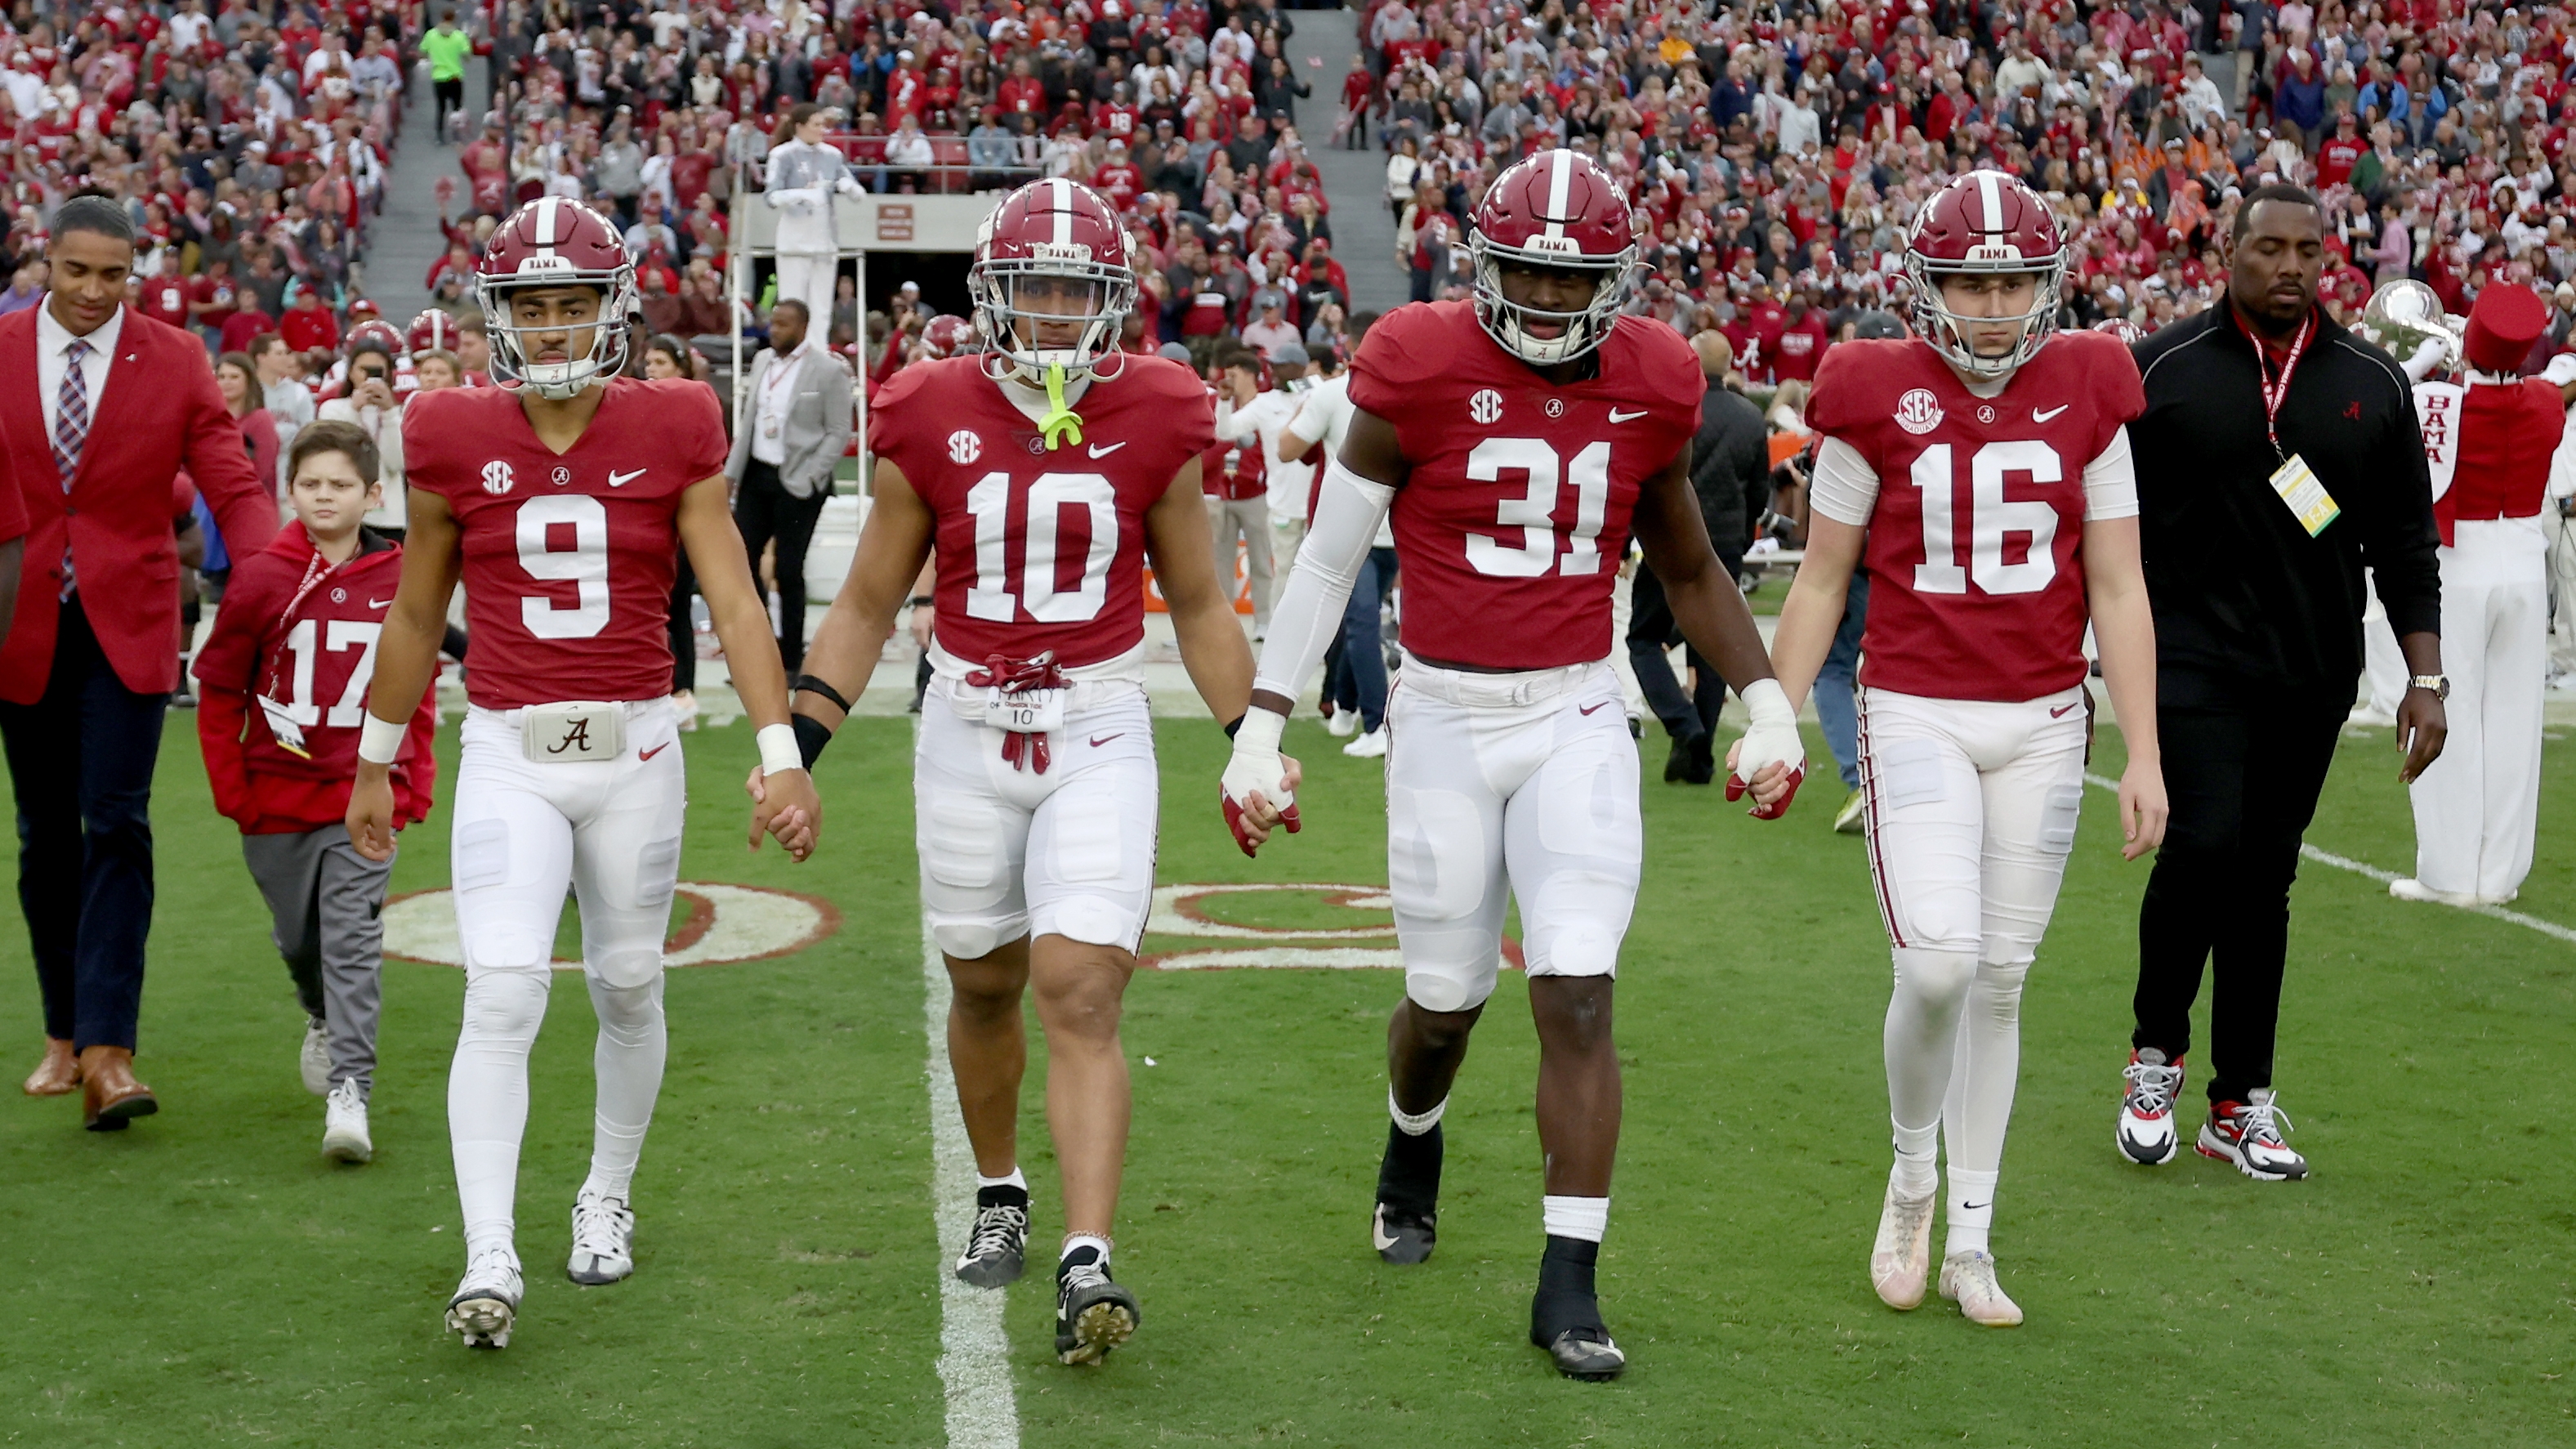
2274	394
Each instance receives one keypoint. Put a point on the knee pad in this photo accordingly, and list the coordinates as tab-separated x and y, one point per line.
1092	920
1936	977
971	938
626	966
627	1013
1574	922
505	1004
1437	991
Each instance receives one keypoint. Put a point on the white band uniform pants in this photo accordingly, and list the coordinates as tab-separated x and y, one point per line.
2477	807
810	278
1502	786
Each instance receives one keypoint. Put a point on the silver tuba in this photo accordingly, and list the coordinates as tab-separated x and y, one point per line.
2404	315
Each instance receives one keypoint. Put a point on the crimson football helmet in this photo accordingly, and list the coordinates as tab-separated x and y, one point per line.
1054	241
1557	209
382	331
2129	333
431	329
552	242
947	335
1985	223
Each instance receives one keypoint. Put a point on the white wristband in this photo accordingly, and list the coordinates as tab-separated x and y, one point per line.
778	752
379	740
1767	702
1260	729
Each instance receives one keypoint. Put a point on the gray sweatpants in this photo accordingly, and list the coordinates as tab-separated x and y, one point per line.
326	901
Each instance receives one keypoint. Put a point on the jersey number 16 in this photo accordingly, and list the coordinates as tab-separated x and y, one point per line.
1990	517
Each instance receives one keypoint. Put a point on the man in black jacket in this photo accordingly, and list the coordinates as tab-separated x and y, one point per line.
2278	457
1731	470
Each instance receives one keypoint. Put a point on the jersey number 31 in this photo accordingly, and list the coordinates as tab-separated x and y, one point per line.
1535	509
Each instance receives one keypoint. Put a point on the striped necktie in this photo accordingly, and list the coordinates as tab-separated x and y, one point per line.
71	434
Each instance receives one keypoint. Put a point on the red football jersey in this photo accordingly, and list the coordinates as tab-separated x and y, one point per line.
284	678
1040	549
569	557
1976	578
1511	523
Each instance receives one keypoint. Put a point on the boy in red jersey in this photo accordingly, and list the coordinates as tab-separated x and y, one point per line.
563	499
1517	440
1034	785
297	639
1984	468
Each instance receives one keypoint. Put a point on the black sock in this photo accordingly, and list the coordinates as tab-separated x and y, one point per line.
1002	1195
1565	1297
1408	1180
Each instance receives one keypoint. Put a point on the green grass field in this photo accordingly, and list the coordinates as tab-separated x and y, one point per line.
207	1279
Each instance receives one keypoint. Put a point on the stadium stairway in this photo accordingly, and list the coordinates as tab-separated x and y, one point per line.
1363	230
407	237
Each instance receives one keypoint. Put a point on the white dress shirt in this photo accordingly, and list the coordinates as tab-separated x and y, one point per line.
777	393
51	338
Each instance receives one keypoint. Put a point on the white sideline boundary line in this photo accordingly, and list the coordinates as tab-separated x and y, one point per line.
974	1356
2372	872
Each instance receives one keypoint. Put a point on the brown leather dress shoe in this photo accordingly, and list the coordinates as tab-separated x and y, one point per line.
58	1073
110	1097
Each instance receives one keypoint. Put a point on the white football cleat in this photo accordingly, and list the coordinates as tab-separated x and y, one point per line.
1369	746
1900	1262
2408	888
1341	724
344	1126
603	1239
1968	1279
486	1305
316	1058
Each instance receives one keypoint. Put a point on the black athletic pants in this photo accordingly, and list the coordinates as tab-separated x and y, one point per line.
449	96
765	511
1651	634
2243	767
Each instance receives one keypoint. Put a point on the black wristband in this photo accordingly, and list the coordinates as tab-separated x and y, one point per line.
811	736
1238	724
922	601
808	684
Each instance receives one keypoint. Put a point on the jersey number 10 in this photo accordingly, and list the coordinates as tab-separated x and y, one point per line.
1990	516
1050	494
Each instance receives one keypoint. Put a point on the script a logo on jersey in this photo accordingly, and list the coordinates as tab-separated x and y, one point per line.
964	447
1918	412
496	476
1486	406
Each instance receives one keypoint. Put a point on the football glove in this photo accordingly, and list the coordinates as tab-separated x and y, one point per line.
1773	736
1256	769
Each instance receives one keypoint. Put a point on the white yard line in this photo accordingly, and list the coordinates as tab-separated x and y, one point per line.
974	1356
2360	868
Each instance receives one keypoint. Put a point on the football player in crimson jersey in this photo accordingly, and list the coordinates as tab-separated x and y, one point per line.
1983	471
1518	440
1034	784
562	499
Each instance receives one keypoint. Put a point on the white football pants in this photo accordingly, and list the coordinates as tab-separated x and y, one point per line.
1971	807
524	833
2478	806
1504	785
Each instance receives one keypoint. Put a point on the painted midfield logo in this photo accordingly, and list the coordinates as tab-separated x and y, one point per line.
1918	412
1486	406
964	446
496	477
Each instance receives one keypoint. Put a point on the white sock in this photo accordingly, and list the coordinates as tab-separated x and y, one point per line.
1972	1211
1917	1171
1583	1218
1985	1069
487	1098
1009	1179
1073	1241
1414	1124
1921	1038
633	1043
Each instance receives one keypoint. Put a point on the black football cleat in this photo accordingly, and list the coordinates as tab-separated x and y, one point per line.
1092	1314
997	1249
1565	1315
1402	1238
1408	1195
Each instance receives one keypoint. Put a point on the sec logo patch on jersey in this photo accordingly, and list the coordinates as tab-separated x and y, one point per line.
496	477
1486	406
964	447
1919	411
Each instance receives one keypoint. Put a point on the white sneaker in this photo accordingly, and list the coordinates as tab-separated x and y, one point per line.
1900	1262
2248	1134
344	1126
316	1059
2365	717
2410	889
603	1238
685	704
1369	746
1343	723
1968	1279
486	1305
2147	1134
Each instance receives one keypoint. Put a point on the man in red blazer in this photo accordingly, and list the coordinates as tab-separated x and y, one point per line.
100	407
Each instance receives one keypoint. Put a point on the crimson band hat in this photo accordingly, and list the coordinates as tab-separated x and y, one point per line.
2506	321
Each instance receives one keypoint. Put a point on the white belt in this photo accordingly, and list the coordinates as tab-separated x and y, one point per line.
1459	686
1080	695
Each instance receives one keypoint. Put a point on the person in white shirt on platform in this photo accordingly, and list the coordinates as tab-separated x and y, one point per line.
1244	413
804	175
785	456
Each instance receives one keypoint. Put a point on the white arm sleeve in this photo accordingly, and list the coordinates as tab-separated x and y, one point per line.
2111	482
1844	486
1309	611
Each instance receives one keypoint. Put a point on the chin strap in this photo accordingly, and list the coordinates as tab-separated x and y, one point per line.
1061	424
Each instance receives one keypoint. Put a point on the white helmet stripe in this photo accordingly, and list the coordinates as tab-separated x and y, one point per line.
1560	181
1063	199
546	205
1991	193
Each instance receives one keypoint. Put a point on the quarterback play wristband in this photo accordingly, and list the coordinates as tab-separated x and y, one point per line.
778	751
379	740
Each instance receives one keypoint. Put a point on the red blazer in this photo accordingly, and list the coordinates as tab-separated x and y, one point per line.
161	412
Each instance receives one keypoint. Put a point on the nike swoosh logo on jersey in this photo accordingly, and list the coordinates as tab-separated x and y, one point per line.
620	480
1098	740
2040	416
378	603
1589	708
657	749
1105	452
2060	711
1617	416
